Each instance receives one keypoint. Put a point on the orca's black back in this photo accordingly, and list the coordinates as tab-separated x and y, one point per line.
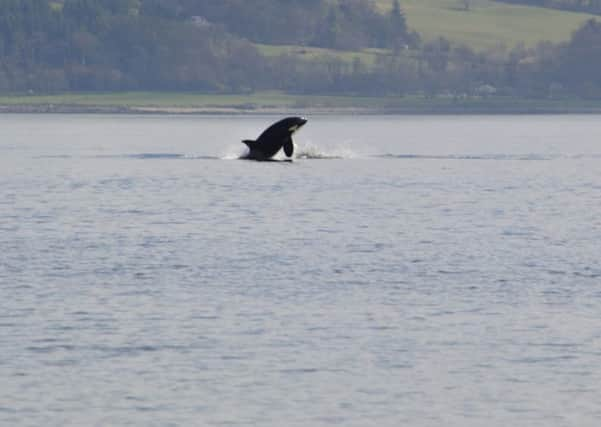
275	136
272	139
278	130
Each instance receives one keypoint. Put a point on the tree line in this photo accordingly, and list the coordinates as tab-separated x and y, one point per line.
211	46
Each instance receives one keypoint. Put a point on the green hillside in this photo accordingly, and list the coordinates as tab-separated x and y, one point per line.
309	47
487	23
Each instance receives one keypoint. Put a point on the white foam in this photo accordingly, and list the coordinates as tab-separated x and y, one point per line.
312	151
234	152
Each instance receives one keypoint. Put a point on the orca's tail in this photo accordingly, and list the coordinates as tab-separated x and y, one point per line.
253	152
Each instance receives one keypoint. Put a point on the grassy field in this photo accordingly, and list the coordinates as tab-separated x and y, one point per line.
487	23
150	99
175	100
367	56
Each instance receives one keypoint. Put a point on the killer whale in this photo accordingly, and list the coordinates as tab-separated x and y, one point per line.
275	137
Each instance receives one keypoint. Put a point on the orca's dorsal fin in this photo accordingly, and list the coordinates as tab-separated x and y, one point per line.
289	147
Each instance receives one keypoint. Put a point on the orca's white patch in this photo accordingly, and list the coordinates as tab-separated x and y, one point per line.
293	129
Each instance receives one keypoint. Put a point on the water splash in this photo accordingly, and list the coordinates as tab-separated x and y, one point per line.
312	151
301	152
234	152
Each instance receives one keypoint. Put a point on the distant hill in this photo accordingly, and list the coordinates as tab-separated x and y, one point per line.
354	24
454	49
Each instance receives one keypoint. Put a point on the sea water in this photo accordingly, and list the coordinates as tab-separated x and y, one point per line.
419	271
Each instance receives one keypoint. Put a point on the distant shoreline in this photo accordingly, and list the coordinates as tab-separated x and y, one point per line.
116	110
274	103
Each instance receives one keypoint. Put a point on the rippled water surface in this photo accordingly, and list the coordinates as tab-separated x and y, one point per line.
418	271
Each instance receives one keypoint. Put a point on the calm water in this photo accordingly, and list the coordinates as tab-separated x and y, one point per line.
418	271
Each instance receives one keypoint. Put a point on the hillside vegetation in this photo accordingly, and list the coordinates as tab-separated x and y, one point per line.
487	24
299	47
